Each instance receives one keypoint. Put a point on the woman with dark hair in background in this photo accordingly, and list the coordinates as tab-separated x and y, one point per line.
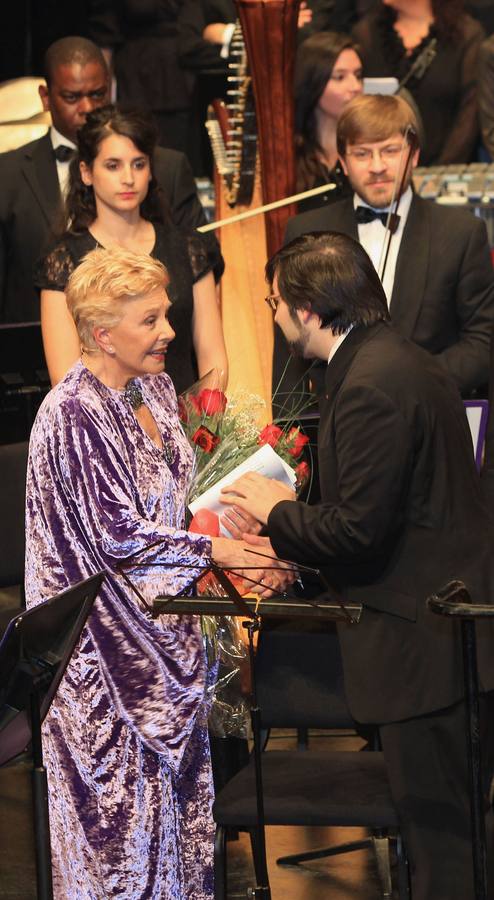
328	74
113	200
393	37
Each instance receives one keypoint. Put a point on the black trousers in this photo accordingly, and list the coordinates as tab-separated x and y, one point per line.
428	772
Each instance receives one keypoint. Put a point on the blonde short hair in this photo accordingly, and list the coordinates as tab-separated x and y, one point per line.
374	117
99	288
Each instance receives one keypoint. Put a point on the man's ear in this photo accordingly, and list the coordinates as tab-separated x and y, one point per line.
45	97
305	315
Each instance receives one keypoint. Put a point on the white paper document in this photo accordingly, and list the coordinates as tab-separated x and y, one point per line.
265	461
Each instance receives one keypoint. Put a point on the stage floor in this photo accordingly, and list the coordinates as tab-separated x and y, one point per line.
348	877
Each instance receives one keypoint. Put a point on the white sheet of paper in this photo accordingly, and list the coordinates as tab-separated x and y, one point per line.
265	461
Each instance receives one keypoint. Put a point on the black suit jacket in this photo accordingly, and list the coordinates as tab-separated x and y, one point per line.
401	514
30	202
443	294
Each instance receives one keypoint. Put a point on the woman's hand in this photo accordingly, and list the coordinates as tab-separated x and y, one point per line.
260	577
214	32
304	15
283	574
256	495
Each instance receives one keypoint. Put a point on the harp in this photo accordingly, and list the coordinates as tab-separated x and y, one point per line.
252	140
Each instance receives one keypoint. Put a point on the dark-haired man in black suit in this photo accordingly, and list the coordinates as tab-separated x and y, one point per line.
401	514
33	177
438	280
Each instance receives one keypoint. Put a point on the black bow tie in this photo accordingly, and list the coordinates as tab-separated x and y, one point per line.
63	153
364	214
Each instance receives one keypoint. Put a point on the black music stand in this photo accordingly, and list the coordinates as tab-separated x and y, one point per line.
34	653
234	604
454	601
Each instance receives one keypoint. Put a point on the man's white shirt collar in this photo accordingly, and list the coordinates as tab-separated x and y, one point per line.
403	207
58	139
371	236
338	342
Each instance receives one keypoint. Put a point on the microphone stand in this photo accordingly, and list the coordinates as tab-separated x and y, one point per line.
397	194
252	625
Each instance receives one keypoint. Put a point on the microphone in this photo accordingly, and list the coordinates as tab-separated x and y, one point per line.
411	136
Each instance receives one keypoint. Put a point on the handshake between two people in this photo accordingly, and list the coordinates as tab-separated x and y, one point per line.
249	501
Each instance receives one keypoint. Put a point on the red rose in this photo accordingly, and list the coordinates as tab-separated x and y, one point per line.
205	522
297	441
302	472
211	402
205	439
270	434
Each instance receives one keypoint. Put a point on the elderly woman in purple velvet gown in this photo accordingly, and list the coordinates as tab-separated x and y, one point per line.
126	739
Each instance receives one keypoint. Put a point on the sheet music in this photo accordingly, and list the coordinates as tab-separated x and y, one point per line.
265	461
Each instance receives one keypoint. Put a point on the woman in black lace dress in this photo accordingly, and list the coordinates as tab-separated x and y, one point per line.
114	201
392	37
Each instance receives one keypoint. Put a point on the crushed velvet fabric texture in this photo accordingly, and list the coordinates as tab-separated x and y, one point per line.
125	741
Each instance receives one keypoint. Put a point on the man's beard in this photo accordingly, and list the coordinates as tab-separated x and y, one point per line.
386	199
298	346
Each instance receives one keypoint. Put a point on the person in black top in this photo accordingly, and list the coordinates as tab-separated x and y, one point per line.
393	37
113	201
328	74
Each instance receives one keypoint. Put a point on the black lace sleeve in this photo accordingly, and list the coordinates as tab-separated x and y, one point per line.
53	271
199	256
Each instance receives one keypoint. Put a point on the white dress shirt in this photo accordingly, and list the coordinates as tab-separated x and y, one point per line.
371	236
62	167
338	342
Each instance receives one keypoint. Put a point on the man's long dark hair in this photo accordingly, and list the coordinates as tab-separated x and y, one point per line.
80	204
330	274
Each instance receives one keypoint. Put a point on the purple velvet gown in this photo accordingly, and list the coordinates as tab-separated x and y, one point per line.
125	741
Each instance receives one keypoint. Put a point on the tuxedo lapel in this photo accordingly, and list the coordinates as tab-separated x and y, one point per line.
346	222
411	269
40	171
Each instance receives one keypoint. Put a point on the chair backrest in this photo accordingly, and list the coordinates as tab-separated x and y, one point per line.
13	466
300	680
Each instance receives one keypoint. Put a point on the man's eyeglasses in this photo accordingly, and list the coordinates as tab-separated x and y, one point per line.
272	300
365	154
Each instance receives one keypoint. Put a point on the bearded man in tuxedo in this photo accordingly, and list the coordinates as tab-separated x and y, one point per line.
438	279
401	514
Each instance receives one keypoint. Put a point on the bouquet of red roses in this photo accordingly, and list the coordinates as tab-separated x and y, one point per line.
226	432
223	434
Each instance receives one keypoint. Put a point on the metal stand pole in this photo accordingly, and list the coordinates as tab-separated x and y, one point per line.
262	890
479	842
40	804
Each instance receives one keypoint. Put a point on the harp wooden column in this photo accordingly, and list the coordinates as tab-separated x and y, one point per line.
269	28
